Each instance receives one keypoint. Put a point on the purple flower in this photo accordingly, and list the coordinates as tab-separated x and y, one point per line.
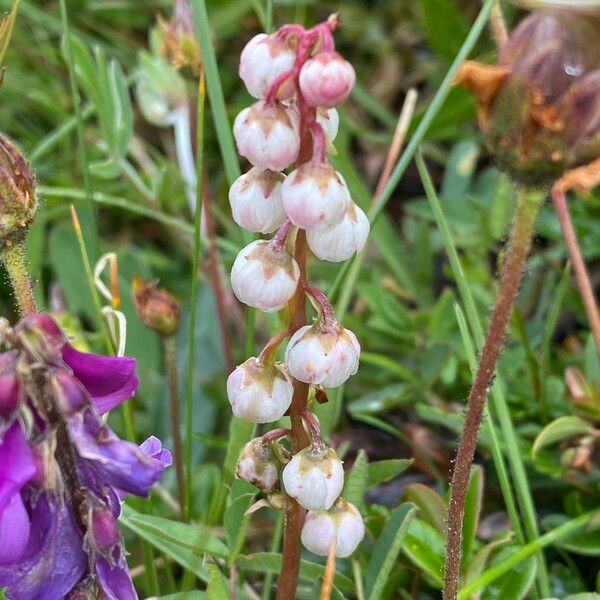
60	497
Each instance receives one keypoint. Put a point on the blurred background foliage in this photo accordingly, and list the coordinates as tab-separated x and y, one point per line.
406	400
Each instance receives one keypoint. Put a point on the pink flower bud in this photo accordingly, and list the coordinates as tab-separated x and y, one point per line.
342	524
321	354
264	276
258	465
255	199
339	242
315	195
103	530
329	120
259	393
268	135
326	79
263	59
314	477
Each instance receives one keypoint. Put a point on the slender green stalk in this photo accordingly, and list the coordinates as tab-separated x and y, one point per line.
170	348
269	16
89	220
16	266
491	574
215	93
349	275
152	587
189	399
499	404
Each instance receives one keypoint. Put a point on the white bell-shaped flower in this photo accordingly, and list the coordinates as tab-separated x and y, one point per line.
255	199
264	276
267	134
314	477
263	60
258	392
315	195
322	354
341	525
339	242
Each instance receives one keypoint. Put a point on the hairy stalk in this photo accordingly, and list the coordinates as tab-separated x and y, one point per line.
294	513
512	272
170	348
583	279
14	260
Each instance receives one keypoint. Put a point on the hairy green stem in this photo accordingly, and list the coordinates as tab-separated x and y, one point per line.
512	272
14	260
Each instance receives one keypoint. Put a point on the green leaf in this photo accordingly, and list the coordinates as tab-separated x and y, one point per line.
424	546
387	548
445	26
514	584
586	542
432	507
561	429
472	509
270	562
382	399
7	23
477	564
216	588
236	523
193	537
196	595
355	484
384	470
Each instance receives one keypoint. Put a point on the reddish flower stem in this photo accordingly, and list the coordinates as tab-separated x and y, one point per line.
583	279
510	281
279	238
323	302
294	513
272	345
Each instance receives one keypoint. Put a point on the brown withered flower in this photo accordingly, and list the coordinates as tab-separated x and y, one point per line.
539	106
178	39
157	309
18	201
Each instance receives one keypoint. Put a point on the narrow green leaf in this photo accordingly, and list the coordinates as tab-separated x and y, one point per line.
472	510
386	550
216	588
432	507
559	430
6	28
514	584
384	470
236	523
355	483
193	537
424	546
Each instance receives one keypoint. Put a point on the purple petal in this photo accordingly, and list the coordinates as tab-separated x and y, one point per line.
109	380
115	580
14	530
114	461
153	448
17	464
54	560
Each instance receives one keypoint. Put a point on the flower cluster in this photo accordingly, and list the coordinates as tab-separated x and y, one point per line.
63	472
298	80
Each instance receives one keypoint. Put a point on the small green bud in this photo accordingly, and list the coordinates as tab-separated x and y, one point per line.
18	201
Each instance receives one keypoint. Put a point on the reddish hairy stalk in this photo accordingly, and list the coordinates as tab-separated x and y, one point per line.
216	279
510	281
294	513
583	279
13	257
324	304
